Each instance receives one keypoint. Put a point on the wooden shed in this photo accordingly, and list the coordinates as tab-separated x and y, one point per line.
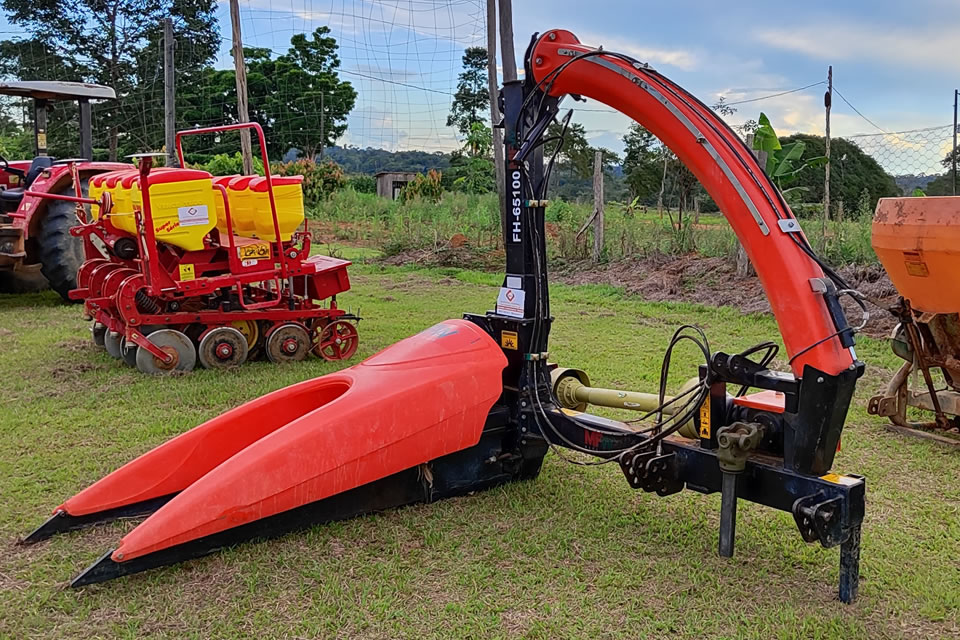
389	183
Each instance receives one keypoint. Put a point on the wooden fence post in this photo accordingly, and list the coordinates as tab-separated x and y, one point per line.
598	206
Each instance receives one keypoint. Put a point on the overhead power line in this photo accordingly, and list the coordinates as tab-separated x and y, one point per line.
857	111
776	95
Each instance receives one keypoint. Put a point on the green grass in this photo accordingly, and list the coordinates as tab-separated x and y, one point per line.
575	553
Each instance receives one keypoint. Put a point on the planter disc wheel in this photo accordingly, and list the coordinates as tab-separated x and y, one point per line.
99	332
170	341
336	341
288	343
222	348
111	342
128	351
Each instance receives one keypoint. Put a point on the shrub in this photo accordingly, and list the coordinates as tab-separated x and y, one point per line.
426	187
319	179
363	184
224	164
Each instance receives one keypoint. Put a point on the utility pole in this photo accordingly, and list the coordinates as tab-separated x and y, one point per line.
508	57
246	149
827	102
495	116
323	140
954	154
169	94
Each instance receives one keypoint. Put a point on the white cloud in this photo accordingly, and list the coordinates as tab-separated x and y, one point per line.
930	47
684	59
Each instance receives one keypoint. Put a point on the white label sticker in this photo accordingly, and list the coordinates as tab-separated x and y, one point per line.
193	215
514	282
510	302
248	263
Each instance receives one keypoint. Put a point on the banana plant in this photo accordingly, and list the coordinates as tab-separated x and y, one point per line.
784	163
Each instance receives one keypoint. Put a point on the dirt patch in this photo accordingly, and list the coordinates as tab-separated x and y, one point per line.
689	278
715	282
75	344
71	370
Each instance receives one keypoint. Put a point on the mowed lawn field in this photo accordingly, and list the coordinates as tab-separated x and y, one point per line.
575	553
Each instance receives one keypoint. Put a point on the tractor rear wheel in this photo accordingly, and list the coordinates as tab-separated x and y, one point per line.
26	280
60	253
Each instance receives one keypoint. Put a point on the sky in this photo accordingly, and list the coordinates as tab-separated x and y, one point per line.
895	62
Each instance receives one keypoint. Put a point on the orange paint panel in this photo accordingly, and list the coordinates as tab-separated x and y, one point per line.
918	242
420	399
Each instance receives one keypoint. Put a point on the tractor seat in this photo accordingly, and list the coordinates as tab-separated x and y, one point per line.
10	198
36	168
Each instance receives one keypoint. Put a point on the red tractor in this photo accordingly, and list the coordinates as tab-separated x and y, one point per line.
36	248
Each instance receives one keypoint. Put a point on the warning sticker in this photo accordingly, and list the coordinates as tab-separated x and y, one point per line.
187	272
838	479
508	340
705	419
510	302
193	215
258	251
913	261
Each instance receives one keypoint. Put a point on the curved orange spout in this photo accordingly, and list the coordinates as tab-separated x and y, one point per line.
729	173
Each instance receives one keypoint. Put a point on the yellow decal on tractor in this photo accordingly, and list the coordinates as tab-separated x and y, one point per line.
508	340
839	479
187	272
705	419
258	251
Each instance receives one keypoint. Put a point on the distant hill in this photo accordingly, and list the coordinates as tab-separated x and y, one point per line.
908	183
370	161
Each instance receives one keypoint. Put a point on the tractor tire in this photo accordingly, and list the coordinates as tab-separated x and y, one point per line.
60	253
27	280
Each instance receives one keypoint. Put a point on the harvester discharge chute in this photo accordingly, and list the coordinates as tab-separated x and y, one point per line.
470	403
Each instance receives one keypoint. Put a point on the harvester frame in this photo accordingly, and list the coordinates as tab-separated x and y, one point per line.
469	404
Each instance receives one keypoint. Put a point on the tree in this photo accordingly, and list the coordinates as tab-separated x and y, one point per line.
851	171
471	170
643	159
472	99
294	97
785	162
943	185
111	42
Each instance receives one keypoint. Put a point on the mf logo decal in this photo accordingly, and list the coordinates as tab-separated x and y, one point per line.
592	438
